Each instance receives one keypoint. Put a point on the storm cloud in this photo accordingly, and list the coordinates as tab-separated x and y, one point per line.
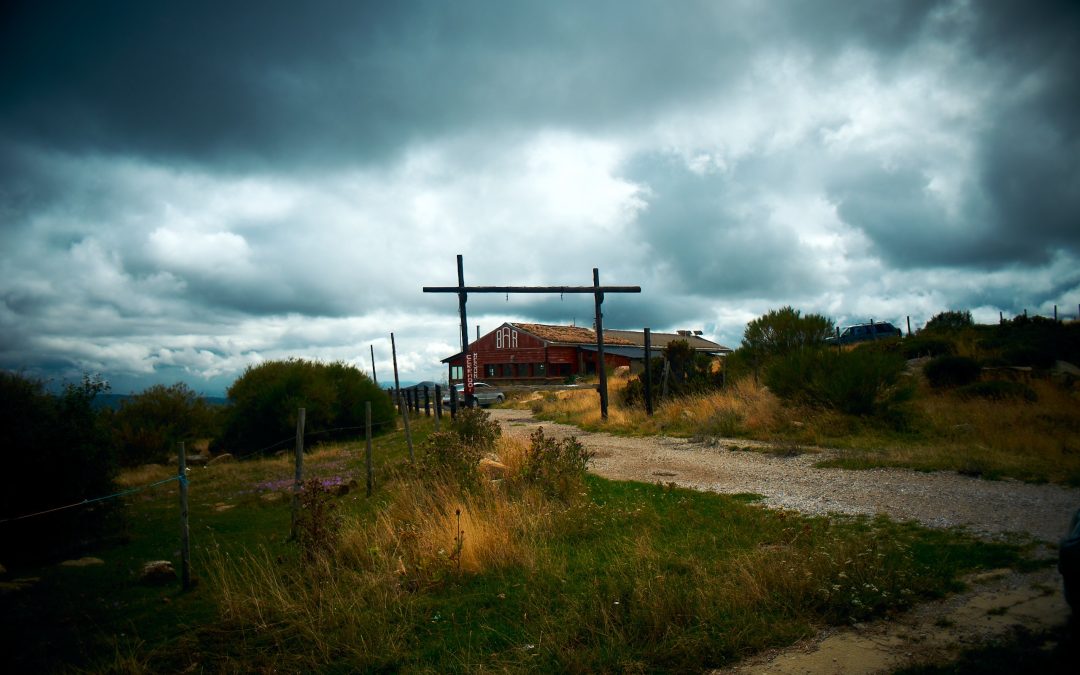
188	189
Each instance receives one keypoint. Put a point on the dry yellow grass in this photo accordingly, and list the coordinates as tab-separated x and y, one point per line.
1030	441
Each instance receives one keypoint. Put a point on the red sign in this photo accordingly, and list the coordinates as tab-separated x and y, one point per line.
471	369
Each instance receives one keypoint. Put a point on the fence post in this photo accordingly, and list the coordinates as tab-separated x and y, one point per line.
185	529
427	401
909	326
453	402
367	437
299	477
648	372
408	434
438	406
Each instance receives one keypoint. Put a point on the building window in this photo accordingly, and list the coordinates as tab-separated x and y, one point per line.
489	370
508	370
456	372
523	370
541	369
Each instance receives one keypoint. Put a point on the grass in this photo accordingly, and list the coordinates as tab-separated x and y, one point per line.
941	431
428	577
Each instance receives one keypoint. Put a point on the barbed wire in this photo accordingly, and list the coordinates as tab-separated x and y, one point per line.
94	500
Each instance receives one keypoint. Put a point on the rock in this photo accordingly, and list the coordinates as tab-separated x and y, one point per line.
83	562
223	507
223	458
17	584
196	460
492	469
157	573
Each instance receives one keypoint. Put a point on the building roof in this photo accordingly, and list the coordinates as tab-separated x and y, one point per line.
661	340
569	335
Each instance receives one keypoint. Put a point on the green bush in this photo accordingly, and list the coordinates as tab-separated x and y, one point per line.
57	453
951	371
148	425
921	345
999	390
949	322
859	382
261	413
476	428
688	373
557	467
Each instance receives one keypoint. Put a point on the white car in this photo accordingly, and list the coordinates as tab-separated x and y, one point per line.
483	394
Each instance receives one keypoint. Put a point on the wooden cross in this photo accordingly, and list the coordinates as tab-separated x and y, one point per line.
596	290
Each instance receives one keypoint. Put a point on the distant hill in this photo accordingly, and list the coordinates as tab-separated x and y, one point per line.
113	400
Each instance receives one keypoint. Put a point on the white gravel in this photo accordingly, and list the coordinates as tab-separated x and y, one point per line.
941	499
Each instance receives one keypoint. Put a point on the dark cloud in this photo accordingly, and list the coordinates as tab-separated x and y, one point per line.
711	235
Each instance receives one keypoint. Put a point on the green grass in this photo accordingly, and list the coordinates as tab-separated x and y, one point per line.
608	576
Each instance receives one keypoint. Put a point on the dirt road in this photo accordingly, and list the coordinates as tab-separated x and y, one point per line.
997	604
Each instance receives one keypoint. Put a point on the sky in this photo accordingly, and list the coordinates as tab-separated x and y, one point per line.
189	189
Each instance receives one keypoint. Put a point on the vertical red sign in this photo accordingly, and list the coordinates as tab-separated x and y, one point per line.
470	372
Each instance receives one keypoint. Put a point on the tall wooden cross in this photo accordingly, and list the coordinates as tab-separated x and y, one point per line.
596	290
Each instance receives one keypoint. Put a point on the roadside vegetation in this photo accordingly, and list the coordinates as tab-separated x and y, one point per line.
445	570
981	400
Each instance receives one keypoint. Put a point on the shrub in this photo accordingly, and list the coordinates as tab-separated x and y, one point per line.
921	345
57	453
263	402
859	382
447	458
148	425
947	322
781	332
557	467
688	373
999	390
951	371
476	428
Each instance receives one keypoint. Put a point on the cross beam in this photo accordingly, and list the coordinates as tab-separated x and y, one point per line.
596	290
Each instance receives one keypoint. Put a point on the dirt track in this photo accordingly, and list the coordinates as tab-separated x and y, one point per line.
997	604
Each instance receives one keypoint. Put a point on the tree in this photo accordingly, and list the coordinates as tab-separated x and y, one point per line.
147	425
780	332
261	412
57	454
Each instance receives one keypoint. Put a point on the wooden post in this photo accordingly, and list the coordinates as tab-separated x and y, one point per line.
648	372
463	297
427	401
393	354
374	377
438	406
1001	318
185	527
838	340
909	326
298	478
600	369
1055	314
453	402
873	330
408	434
367	442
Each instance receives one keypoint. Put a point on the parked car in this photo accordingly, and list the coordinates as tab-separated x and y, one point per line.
862	332
483	394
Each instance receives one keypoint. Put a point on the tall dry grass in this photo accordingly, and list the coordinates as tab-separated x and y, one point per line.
1035	441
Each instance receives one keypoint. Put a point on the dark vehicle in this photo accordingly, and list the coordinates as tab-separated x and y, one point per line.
861	332
483	394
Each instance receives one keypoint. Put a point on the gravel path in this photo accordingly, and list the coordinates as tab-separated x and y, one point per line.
940	499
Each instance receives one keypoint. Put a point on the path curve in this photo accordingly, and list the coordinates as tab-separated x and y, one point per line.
941	499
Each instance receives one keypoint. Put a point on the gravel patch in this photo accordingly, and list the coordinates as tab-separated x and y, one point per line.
941	499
